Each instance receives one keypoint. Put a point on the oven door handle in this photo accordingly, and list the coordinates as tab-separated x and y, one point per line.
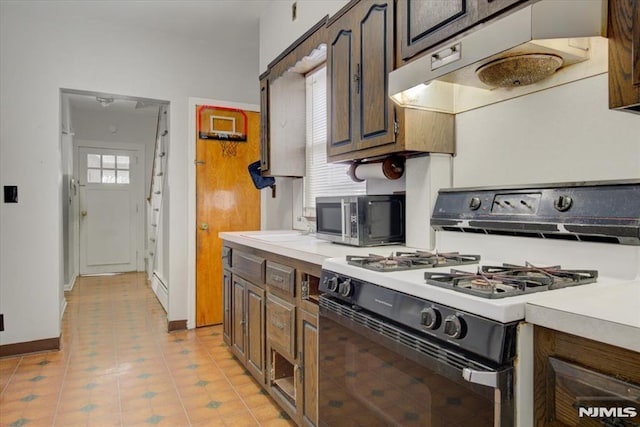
489	379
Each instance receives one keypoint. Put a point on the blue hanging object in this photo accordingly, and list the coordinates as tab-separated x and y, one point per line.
258	180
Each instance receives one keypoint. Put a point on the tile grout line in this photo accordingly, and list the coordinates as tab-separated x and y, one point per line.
156	340
73	331
20	359
229	381
115	345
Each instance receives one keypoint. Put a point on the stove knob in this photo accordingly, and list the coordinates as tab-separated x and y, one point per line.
332	284
475	203
454	327
345	288
430	318
563	203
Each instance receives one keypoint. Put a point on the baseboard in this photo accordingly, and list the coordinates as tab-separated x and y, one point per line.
68	287
46	344
63	307
176	325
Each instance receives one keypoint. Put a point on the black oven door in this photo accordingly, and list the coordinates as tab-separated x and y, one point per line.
373	373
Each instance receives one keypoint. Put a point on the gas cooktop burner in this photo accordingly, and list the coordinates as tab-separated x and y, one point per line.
411	260
510	280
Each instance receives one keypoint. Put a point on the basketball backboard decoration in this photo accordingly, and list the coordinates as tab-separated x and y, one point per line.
226	125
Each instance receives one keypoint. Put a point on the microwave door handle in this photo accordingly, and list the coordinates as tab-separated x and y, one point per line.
346	229
490	379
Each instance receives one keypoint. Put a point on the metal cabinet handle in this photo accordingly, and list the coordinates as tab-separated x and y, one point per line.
356	78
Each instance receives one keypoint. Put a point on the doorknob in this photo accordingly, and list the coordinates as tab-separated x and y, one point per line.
83	213
204	226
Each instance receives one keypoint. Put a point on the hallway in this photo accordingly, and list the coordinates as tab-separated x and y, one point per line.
119	367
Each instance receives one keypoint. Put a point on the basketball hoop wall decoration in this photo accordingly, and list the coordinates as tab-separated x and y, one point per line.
227	126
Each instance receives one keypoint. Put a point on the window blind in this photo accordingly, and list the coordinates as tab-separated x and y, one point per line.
322	179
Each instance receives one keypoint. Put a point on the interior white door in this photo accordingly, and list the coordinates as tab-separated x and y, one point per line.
109	211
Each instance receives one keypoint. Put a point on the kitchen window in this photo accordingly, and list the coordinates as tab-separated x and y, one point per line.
322	178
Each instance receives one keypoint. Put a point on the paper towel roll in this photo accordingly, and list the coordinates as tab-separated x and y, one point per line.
390	168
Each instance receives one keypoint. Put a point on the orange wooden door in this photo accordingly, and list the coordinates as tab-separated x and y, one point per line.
226	200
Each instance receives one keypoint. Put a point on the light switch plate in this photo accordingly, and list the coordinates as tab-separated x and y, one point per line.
11	194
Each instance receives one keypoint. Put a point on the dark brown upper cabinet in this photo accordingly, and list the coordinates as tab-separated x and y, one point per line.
359	58
624	55
423	24
362	121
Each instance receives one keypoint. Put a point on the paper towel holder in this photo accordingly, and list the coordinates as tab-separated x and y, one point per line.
392	168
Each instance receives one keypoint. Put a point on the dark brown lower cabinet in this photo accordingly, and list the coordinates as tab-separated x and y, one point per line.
580	382
273	328
308	367
247	320
227	308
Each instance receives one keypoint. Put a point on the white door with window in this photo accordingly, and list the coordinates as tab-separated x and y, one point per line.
110	209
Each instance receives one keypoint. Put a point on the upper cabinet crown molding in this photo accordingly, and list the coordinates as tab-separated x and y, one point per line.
282	104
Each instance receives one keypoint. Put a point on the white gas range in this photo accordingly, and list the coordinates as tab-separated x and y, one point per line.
474	317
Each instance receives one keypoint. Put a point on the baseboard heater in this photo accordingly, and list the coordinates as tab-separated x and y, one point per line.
160	289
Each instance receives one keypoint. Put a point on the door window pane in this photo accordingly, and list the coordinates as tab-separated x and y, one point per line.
108	169
123	177
93	160
93	175
108	176
123	162
108	161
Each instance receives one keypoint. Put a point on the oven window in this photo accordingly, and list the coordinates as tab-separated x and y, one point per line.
328	218
363	383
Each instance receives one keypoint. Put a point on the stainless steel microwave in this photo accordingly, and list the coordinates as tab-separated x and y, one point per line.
361	220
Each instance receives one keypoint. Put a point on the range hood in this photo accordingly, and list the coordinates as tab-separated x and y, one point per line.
542	45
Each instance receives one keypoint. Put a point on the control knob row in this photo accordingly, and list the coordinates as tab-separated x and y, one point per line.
344	288
454	325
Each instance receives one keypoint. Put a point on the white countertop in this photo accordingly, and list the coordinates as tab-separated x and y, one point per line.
607	311
604	312
305	247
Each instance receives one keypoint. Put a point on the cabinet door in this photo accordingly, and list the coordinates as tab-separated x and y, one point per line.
264	125
624	54
425	23
374	62
281	317
238	317
227	292
308	369
341	76
255	331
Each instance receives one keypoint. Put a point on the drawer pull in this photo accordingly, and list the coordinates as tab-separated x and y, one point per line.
277	278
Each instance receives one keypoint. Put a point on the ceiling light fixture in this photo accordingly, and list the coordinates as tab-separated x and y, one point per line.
104	101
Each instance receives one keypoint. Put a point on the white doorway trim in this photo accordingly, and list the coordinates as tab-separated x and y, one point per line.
140	217
191	198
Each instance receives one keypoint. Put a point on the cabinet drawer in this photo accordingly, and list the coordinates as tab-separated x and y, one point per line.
281	320
281	277
249	266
